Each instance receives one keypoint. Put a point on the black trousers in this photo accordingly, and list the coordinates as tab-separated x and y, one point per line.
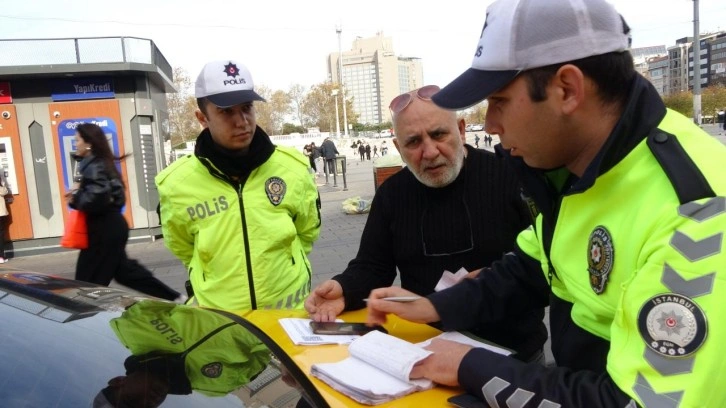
312	164
105	258
3	225
329	166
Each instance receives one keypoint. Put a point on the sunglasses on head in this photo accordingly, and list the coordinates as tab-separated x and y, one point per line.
400	102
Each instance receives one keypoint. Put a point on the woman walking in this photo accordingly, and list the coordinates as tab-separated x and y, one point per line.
99	192
4	191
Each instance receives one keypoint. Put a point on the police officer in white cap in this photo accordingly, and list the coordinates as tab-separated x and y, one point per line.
240	213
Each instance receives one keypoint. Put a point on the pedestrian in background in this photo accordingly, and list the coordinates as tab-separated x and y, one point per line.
329	152
240	213
100	194
362	151
314	155
309	150
4	192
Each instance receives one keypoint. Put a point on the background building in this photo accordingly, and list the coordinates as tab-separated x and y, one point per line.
373	75
678	66
641	56
717	62
47	88
657	73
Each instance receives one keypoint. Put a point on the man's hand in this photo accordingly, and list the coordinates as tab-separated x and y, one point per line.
442	367
419	311
472	274
325	302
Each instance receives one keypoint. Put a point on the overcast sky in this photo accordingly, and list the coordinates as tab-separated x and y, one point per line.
287	41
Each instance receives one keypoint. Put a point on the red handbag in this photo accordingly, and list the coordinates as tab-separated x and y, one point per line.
76	232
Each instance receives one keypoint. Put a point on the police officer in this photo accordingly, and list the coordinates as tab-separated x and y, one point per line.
628	247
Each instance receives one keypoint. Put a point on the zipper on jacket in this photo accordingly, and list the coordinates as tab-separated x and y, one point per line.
245	238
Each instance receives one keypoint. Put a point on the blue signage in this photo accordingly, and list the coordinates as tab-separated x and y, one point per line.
82	88
67	143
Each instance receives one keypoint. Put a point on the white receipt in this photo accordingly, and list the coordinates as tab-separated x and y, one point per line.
449	279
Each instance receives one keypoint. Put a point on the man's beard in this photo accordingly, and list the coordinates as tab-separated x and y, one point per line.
448	177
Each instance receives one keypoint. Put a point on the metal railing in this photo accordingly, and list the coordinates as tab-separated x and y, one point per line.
91	50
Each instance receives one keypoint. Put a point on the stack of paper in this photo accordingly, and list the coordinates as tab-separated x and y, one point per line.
464	339
377	370
301	334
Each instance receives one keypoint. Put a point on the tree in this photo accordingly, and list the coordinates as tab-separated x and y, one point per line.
271	114
318	107
183	125
476	114
288	128
713	100
263	110
297	95
280	105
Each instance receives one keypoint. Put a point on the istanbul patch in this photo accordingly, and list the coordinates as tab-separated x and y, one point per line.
600	258
212	370
275	188
672	325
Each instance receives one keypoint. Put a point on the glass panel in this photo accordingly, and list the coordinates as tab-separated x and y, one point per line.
96	50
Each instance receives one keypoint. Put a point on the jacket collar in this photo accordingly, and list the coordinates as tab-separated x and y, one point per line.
227	165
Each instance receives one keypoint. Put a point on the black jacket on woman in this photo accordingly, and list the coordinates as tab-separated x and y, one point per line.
101	191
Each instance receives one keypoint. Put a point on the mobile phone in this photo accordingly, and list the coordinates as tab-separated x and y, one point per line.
466	401
343	328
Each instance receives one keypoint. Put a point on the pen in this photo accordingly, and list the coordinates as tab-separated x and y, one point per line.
402	299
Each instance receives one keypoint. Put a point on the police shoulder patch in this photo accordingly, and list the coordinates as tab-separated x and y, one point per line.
600	258
275	188
212	370
672	325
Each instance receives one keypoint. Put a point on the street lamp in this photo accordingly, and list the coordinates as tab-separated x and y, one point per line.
339	30
334	93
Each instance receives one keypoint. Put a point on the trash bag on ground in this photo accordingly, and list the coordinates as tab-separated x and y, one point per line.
356	205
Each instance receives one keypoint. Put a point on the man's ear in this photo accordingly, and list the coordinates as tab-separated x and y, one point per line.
201	118
570	88
395	143
462	129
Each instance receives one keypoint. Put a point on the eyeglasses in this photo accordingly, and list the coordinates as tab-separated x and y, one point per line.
437	225
400	102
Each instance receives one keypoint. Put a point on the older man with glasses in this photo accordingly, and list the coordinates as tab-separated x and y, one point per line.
451	207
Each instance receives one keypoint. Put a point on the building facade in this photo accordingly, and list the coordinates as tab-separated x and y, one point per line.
47	88
678	66
641	55
373	75
717	62
657	73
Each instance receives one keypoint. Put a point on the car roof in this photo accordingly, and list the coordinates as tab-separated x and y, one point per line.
65	342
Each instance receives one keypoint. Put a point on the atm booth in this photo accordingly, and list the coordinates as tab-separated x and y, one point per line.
117	83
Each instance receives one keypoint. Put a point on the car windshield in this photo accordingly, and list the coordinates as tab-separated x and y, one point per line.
71	344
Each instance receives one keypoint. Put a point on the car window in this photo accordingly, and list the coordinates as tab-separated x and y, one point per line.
71	344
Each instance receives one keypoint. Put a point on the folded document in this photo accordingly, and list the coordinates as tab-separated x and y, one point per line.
379	365
377	370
